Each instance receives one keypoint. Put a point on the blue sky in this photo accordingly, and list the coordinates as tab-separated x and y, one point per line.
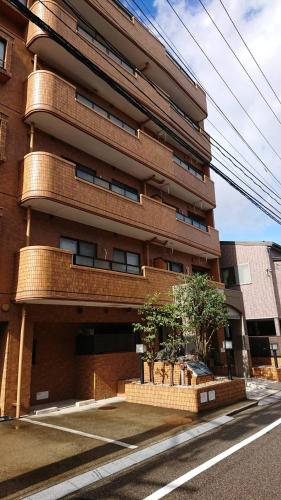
260	23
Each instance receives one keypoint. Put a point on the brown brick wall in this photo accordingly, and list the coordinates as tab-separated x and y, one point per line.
97	376
184	398
48	273
58	98
49	177
137	85
267	372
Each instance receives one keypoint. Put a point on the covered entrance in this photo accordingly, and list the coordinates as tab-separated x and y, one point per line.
80	360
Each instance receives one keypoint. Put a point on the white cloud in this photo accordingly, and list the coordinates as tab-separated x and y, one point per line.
260	23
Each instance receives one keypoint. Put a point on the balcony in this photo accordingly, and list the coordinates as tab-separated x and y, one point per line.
52	107
47	275
49	185
47	49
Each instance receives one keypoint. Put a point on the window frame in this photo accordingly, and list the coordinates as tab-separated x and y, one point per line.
170	264
82	99
5	46
97	181
125	263
78	253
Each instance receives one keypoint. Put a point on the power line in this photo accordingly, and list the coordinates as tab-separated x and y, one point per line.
225	82
242	156
91	28
174	49
118	88
239	61
249	50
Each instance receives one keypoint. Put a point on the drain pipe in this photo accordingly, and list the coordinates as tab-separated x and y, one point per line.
28	227
20	365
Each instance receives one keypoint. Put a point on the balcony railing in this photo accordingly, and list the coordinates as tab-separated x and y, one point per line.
48	274
110	265
193	222
188	167
88	175
49	181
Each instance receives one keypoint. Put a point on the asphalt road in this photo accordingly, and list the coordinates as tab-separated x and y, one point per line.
251	473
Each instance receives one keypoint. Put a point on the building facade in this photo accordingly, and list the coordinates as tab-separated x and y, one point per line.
254	268
100	206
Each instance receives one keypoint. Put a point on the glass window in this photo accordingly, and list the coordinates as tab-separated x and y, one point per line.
80	260
244	274
85	173
87	249
176	267
2	53
69	244
84	33
133	259
119	256
102	182
126	262
100	110
84	100
102	264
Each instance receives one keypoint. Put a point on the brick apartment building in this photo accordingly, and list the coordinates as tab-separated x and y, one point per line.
99	207
254	269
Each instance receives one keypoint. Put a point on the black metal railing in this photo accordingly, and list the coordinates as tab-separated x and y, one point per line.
109	265
88	175
190	220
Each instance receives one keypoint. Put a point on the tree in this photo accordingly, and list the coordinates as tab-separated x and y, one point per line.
171	319
148	328
203	310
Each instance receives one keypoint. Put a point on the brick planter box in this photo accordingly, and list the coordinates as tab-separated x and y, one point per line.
194	398
162	375
267	372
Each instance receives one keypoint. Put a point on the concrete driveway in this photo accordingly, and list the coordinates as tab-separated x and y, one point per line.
36	451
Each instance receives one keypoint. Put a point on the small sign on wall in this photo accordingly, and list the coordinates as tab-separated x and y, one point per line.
203	397
42	395
207	396
212	395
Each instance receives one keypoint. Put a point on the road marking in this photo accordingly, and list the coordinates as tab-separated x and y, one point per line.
207	465
89	478
80	433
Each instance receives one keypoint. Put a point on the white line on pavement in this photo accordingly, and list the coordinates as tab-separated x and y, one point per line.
213	461
80	433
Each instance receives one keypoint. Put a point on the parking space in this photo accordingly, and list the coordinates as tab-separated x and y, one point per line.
70	443
43	451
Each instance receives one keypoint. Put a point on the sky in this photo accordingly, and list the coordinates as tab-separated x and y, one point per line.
259	21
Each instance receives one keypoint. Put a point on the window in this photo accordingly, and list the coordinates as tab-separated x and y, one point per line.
193	220
2	53
83	252
176	267
100	338
89	175
97	40
126	262
244	274
262	327
91	104
187	166
236	275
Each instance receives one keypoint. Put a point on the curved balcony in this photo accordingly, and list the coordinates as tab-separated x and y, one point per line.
52	107
47	275
49	185
66	25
